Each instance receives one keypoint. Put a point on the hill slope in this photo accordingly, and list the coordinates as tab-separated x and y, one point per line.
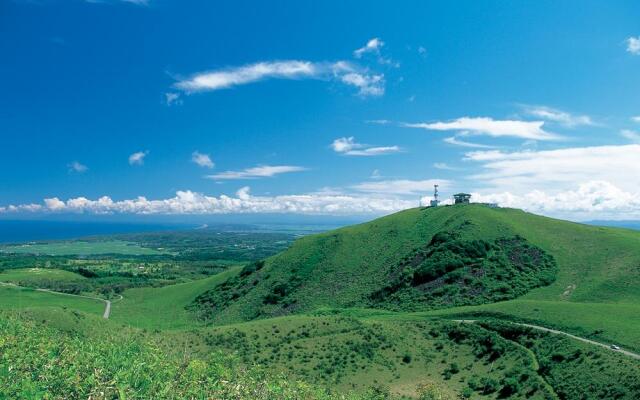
421	259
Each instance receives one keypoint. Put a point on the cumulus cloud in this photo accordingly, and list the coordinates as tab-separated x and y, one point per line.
590	200
172	98
444	166
137	158
372	46
76	166
188	202
349	147
633	45
201	159
490	127
631	135
368	84
401	186
636	118
555	115
262	171
557	170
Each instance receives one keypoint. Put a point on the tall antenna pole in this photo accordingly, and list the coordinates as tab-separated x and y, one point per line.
435	193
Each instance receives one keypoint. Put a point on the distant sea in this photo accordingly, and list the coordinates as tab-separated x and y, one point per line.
28	231
617	224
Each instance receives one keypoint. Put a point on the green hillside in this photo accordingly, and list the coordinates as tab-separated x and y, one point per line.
489	255
38	361
347	353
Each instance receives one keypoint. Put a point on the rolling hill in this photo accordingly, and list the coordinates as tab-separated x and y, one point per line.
436	259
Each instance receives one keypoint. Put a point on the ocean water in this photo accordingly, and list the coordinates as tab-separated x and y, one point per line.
27	231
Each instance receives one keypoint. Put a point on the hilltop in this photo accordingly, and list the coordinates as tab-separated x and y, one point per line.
438	258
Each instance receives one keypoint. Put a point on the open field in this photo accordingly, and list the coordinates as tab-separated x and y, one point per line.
81	248
38	276
14	298
164	308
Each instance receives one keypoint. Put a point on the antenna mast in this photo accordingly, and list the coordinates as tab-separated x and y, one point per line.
435	201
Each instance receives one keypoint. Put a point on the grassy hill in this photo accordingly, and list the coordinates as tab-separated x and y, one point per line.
543	262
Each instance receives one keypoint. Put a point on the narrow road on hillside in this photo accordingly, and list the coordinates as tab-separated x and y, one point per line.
557	332
107	308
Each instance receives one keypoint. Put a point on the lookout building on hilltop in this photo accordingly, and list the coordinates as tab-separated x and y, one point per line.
461	198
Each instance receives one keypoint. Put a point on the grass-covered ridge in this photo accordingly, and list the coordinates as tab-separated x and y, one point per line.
418	259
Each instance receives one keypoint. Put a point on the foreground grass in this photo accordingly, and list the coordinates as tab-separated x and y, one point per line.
351	354
39	362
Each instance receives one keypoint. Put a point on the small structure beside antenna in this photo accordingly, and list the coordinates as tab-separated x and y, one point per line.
461	198
435	201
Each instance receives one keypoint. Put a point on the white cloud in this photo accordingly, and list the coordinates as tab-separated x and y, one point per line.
137	158
201	159
343	71
557	170
375	174
378	121
590	200
349	147
490	127
401	186
631	135
75	166
188	202
262	171
373	46
457	142
444	166
636	118
633	45
555	115
368	85
172	98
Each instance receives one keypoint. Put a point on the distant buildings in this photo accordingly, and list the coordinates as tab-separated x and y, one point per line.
461	198
458	198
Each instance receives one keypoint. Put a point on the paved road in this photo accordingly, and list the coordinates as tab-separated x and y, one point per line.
107	308
557	332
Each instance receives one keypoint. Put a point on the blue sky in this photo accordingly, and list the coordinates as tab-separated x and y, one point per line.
166	107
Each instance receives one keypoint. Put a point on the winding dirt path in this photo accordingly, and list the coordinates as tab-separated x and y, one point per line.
557	332
107	303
